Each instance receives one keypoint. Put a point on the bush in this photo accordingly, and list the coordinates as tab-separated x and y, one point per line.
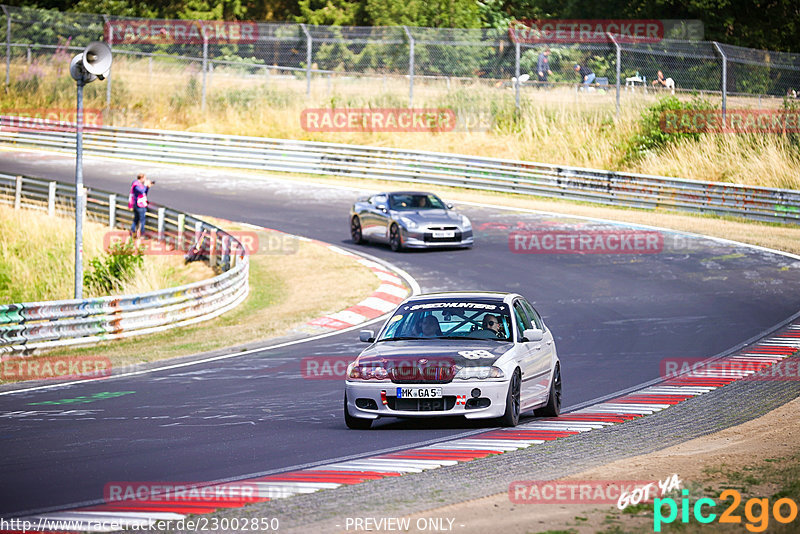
108	274
651	137
792	106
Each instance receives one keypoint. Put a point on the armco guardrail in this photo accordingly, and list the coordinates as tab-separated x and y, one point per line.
41	325
474	172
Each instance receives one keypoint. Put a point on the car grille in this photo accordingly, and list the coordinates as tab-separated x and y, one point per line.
430	373
428	237
422	405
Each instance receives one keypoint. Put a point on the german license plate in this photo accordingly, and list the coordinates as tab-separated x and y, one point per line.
442	234
419	393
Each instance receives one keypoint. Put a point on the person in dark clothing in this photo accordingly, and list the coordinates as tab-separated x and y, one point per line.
543	65
586	74
137	201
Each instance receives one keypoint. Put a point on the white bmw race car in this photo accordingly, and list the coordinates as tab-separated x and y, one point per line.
480	355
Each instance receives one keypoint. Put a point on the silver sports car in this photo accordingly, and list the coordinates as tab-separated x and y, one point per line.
479	355
409	219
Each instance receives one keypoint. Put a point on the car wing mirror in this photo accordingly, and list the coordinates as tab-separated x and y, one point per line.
532	334
383	208
449	205
367	336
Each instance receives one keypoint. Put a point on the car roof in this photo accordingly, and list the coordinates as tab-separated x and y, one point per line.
491	295
409	193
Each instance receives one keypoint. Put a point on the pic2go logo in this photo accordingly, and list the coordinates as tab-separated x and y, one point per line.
756	511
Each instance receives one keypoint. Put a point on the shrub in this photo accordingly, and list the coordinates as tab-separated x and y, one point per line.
108	274
651	137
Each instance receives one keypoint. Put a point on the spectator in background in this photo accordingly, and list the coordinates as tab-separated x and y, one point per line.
137	201
586	74
660	81
543	66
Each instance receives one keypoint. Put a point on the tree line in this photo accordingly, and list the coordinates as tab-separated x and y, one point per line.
764	24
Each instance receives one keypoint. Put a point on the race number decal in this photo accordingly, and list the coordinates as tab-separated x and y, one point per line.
475	354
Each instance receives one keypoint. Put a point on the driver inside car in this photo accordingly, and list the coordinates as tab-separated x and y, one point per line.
430	327
493	324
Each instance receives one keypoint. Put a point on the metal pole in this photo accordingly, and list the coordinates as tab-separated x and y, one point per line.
309	45
724	80
619	66
410	67
79	195
8	45
205	68
516	75
108	76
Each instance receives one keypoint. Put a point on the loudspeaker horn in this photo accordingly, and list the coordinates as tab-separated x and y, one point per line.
97	58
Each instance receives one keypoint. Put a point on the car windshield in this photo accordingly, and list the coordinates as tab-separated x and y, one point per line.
449	319
415	201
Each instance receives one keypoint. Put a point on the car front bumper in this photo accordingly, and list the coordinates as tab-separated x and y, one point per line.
422	238
493	391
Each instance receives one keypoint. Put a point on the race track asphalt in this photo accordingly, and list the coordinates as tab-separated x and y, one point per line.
615	317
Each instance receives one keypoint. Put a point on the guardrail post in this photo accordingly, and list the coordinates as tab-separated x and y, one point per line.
8	45
51	199
212	249
112	210
724	80
516	75
181	225
161	213
309	49
18	193
198	231
410	67
225	252
234	254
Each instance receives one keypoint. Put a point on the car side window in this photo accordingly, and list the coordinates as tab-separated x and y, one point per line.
377	200
535	318
523	323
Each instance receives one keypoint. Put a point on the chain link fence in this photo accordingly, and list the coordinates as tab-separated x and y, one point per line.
405	65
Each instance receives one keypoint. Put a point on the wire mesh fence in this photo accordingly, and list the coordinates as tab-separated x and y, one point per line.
404	63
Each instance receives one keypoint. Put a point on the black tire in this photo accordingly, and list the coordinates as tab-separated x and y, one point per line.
355	230
395	238
511	417
355	423
553	406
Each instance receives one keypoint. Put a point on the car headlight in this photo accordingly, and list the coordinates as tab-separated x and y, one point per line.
480	373
363	372
408	222
465	223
